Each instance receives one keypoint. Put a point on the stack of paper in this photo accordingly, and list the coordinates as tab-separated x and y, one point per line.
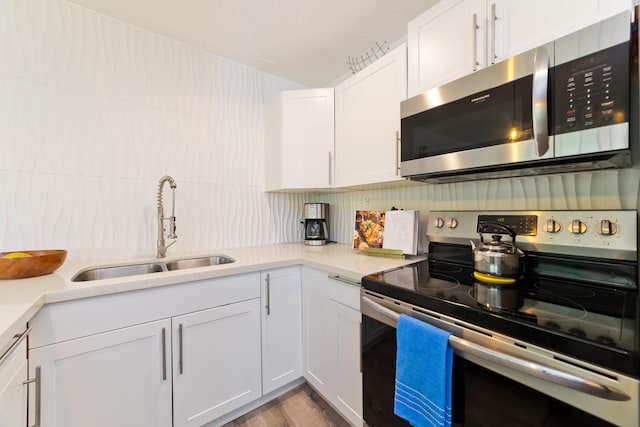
401	231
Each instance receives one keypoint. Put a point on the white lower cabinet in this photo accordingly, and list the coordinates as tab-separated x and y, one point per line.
318	360
281	327
348	377
331	341
116	378
190	354
216	362
13	396
181	355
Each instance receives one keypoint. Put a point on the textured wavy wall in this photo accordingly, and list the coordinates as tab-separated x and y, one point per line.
613	189
94	111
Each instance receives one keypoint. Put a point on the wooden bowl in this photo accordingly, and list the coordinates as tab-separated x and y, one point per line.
38	264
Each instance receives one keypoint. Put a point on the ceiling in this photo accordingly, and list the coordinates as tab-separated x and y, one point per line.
306	41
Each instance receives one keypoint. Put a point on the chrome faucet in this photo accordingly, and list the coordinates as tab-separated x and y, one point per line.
162	248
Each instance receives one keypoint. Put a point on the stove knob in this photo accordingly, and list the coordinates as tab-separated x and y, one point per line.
607	228
438	222
453	223
552	226
577	227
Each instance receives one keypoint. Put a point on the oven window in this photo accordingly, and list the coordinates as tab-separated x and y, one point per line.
480	397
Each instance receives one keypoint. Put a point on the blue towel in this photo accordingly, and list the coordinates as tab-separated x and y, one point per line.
423	373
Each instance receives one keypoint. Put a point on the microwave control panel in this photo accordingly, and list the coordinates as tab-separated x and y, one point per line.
592	91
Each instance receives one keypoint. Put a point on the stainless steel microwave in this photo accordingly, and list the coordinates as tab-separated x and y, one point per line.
564	106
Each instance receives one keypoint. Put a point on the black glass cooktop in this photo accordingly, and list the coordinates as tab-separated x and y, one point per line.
576	307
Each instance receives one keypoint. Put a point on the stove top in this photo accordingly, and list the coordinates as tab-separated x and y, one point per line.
581	306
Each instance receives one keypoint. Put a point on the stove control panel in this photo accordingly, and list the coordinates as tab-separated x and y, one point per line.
522	225
609	234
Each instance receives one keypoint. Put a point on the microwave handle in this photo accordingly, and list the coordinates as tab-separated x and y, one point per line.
539	100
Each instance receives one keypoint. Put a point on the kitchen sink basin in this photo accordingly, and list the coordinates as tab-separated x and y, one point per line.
116	271
181	264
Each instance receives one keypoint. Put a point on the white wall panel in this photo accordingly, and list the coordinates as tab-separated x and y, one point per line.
612	189
94	111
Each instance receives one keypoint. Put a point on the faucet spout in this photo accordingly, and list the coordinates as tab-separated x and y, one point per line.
161	246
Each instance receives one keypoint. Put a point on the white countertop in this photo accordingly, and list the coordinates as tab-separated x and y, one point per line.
21	299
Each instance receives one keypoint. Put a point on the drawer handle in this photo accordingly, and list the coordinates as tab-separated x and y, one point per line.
343	280
18	340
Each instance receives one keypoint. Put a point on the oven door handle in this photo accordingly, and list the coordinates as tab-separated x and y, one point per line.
464	347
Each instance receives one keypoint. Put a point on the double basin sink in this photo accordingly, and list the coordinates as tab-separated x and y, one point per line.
125	270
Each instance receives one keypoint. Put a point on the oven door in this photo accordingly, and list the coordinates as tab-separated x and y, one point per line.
488	387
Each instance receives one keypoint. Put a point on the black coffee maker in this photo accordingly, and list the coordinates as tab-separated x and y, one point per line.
316	230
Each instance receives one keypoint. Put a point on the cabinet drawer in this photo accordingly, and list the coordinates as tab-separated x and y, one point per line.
345	291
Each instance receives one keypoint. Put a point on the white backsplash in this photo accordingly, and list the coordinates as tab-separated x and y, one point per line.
612	189
94	111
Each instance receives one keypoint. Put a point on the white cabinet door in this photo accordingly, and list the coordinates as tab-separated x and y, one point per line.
443	43
300	140
521	26
331	341
316	331
13	396
117	378
281	327
458	37
216	362
368	122
348	386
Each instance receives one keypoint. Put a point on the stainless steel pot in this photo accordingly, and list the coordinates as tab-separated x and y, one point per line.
496	257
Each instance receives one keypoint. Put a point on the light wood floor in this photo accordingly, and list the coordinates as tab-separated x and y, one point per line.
300	407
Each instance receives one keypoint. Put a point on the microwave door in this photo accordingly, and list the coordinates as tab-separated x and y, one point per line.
491	129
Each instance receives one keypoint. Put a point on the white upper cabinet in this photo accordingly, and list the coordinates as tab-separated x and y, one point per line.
440	44
368	122
458	37
299	143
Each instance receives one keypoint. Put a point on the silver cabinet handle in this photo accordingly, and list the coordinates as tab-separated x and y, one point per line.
180	359
397	152
330	180
18	339
474	30
164	354
539	100
343	280
463	347
268	305
37	405
493	33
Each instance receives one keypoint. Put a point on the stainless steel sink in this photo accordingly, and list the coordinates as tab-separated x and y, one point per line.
181	264
115	271
112	272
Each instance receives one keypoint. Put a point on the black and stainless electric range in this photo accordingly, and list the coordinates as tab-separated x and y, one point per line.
560	346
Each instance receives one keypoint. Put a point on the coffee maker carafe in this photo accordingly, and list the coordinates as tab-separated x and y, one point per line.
316	230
